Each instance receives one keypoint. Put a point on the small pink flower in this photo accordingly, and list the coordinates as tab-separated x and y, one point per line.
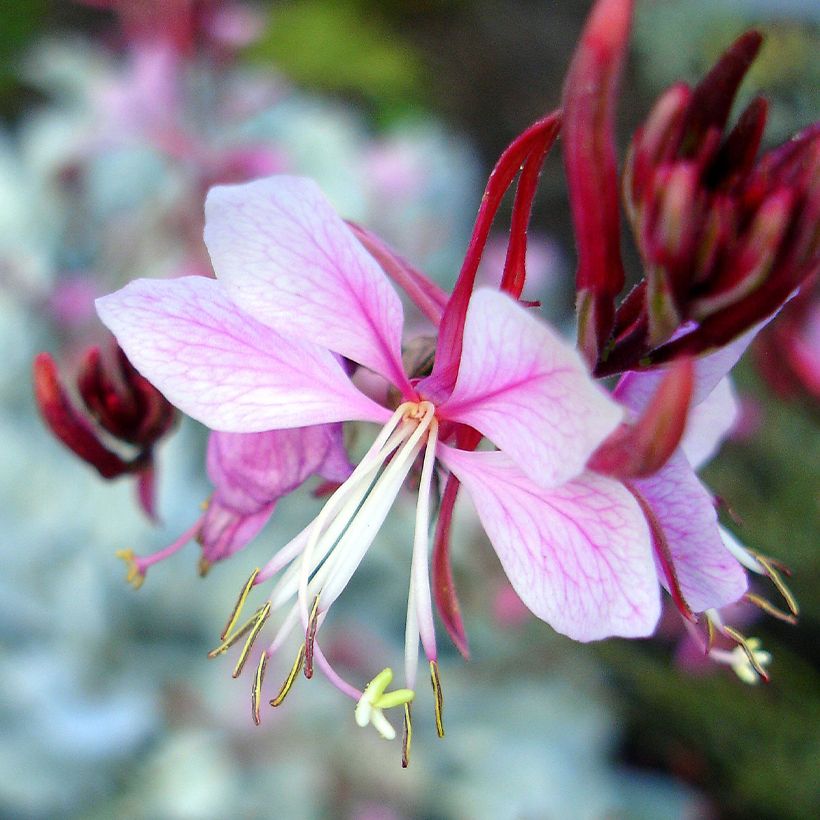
258	349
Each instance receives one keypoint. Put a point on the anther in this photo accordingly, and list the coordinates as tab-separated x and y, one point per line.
240	602
291	678
310	637
750	650
203	567
771	567
256	690
407	737
255	630
235	636
769	608
134	575
438	697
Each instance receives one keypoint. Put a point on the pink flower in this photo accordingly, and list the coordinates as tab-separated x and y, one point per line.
258	349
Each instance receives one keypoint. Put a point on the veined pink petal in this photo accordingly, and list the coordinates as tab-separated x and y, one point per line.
709	423
224	368
528	391
225	532
579	556
707	573
287	258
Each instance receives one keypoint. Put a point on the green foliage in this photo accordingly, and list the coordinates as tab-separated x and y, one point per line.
339	47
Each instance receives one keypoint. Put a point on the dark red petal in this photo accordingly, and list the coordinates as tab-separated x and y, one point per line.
713	97
642	448
67	424
592	176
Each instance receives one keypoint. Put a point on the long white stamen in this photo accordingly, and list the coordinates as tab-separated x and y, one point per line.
411	638
420	572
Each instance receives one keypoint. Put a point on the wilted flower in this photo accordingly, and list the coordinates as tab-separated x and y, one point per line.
125	416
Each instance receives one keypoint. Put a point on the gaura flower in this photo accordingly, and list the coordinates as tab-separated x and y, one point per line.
258	349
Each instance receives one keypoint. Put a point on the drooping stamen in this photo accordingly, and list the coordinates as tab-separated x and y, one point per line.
407	737
255	630
235	636
138	564
291	678
256	690
438	697
240	602
769	608
310	637
770	569
749	650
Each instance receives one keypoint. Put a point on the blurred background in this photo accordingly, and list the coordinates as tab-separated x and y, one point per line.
108	706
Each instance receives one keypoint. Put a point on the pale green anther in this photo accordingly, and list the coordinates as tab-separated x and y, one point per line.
398	697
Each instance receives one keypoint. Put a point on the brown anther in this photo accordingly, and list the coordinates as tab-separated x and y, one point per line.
204	567
310	637
407	737
291	678
438	697
769	608
710	634
261	617
740	640
256	690
240	602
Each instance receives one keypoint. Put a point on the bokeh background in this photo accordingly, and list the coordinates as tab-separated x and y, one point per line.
108	707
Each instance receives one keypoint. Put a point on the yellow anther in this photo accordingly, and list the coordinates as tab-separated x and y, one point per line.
291	678
134	575
769	565
240	602
205	504
407	737
438	697
769	608
235	636
750	658
261	617
256	690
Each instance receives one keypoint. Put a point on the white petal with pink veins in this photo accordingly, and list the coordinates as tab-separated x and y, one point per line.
528	391
579	556
287	258
224	368
708	574
709	423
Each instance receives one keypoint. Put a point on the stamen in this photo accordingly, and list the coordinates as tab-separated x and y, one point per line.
235	636
134	574
203	566
750	650
256	690
255	630
770	568
240	602
407	737
310	637
438	697
291	678
769	608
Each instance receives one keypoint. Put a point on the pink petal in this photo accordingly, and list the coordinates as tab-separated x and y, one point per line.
224	368
224	532
287	258
528	391
249	470
579	555
709	423
707	573
635	389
